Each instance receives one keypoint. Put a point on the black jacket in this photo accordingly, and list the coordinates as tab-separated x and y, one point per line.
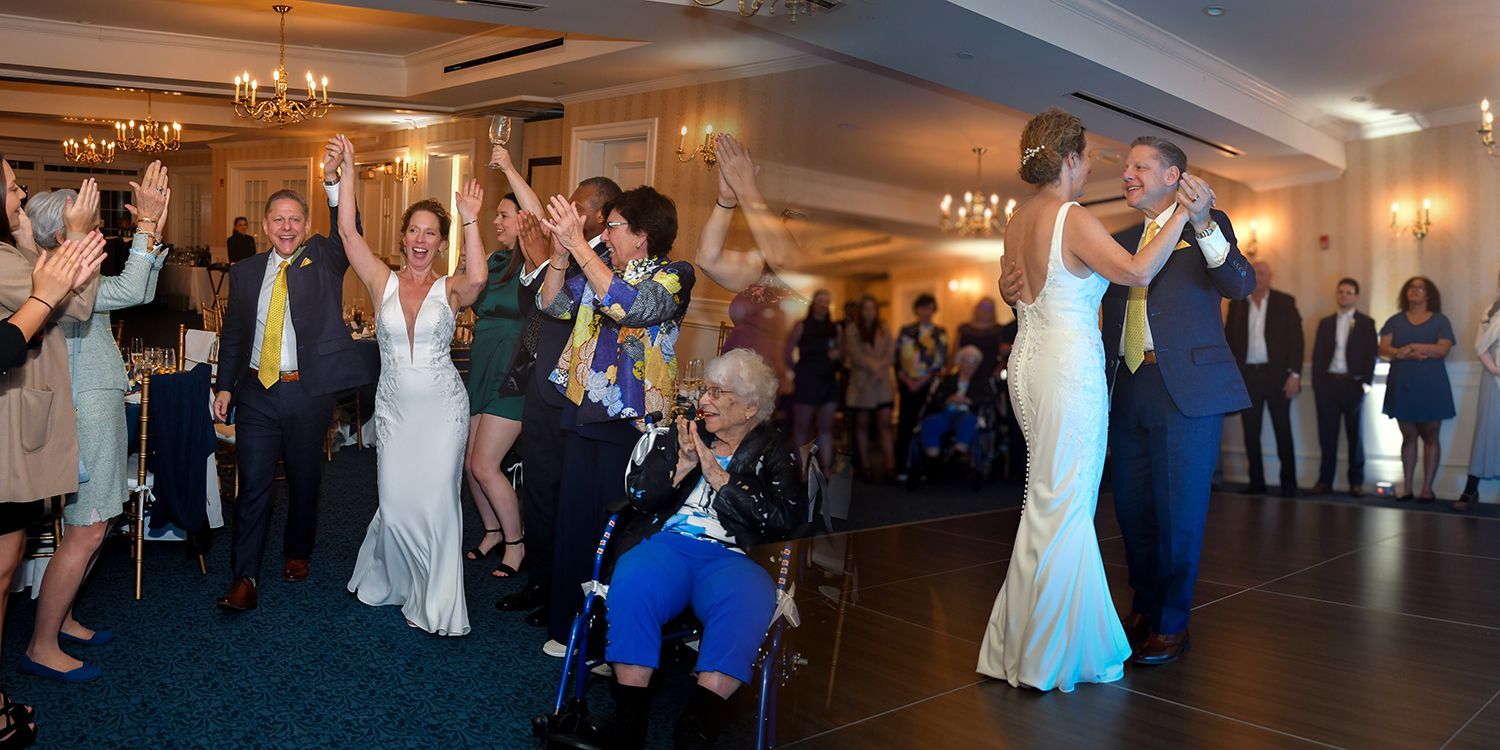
1360	351
763	500
1284	344
981	393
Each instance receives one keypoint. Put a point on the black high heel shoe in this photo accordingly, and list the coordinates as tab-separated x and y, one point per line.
506	571
1466	503
477	554
17	711
15	730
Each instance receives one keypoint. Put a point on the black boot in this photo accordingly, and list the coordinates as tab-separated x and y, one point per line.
702	721
625	729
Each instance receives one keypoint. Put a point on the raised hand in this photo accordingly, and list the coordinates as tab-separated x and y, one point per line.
566	224
68	267
536	244
736	170
1197	197
333	156
500	157
346	151
469	200
149	196
82	213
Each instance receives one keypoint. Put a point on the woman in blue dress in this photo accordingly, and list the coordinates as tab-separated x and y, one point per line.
1417	393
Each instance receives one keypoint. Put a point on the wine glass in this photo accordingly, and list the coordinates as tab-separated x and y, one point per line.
499	133
137	352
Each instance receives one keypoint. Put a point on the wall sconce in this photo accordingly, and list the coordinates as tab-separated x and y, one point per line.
403	170
1420	227
1487	127
1253	243
706	151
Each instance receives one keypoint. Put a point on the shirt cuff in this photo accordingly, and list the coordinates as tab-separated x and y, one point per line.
333	194
1215	248
527	278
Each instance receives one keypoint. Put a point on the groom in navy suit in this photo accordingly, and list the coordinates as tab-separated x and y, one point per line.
285	352
1173	380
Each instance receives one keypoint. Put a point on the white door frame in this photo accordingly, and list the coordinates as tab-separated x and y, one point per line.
583	136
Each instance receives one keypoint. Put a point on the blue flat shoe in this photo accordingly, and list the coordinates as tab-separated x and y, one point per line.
99	638
84	673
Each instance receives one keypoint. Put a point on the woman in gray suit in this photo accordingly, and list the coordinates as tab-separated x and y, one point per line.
98	385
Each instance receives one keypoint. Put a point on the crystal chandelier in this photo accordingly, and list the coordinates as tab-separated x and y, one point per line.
279	109
793	8
149	136
89	152
976	217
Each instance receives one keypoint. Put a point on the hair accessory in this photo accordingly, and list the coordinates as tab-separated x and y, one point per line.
1030	152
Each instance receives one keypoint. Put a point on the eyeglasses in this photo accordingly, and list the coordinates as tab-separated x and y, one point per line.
616	224
714	391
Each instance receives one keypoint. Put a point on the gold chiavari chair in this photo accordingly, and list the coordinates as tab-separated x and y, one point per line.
724	329
140	494
213	317
181	344
43	537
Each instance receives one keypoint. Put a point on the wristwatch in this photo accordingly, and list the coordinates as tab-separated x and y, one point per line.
1213	226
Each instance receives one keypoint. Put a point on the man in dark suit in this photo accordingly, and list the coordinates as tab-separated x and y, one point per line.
542	431
1173	379
241	244
285	353
1344	353
1265	333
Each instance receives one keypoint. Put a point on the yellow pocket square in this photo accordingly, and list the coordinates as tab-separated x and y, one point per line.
1180	245
308	261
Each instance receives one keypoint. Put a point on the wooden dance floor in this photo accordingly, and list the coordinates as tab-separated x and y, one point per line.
1315	625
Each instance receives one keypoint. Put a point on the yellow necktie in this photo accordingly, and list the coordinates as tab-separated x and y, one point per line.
1135	312
270	346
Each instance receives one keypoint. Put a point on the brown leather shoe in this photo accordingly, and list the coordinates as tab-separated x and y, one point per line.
1162	649
1137	629
295	570
242	596
1320	489
1356	491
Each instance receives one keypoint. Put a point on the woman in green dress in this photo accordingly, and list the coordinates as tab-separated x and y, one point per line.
495	419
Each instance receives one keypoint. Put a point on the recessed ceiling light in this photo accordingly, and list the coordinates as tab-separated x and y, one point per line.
1214	11
1361	99
965	55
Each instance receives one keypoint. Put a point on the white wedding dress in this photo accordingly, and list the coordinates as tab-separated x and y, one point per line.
411	553
1053	624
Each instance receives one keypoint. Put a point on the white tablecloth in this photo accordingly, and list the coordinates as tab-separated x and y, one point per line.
185	287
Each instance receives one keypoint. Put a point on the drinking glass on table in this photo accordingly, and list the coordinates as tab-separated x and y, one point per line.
499	133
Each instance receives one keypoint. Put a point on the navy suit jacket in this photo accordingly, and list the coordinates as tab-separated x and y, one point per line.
315	287
1187	322
1360	350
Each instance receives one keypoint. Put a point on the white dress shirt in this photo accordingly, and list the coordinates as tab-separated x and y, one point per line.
1341	325
1215	251
1255	343
263	308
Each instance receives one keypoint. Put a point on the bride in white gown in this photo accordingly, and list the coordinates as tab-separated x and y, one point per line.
411	553
1053	624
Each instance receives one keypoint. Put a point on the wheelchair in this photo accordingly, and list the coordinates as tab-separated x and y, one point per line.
775	665
983	454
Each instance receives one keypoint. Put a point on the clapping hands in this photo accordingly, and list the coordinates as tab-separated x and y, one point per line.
150	197
692	452
565	224
82	215
535	242
68	267
737	171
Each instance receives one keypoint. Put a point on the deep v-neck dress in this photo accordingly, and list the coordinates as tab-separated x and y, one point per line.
411	553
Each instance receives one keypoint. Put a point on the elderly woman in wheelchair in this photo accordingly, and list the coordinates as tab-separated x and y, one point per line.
708	490
957	405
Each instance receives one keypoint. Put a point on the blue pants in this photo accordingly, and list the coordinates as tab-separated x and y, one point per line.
658	578
963	425
1163	466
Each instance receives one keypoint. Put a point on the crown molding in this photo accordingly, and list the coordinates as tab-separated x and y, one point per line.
734	72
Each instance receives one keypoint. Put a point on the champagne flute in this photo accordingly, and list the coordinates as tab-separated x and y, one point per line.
499	134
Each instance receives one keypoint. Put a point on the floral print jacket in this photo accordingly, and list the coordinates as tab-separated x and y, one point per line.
921	351
620	361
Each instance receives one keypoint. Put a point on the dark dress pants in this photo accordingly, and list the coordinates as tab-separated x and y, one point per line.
908	410
542	462
1162	466
1339	402
1268	392
593	478
283	423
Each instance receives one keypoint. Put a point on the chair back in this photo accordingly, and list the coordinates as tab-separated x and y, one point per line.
200	348
724	329
213	318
